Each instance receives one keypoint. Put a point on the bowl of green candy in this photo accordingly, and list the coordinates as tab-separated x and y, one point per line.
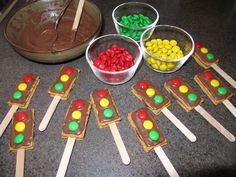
133	18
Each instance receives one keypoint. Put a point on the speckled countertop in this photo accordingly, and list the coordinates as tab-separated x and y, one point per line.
213	22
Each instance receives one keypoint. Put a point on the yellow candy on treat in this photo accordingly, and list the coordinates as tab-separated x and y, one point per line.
173	42
165	42
163	67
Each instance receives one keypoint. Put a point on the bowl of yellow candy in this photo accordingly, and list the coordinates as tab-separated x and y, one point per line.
166	48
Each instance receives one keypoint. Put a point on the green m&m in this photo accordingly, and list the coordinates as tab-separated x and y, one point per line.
222	90
19	138
58	86
158	99
210	56
73	126
17	95
192	97
108	113
154	135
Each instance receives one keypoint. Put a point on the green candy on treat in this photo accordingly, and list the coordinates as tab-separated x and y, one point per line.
73	126
158	99
134	21
154	135
108	113
58	86
210	56
222	91
192	97
17	95
19	138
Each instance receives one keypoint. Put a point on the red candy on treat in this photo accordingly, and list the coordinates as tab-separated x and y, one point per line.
198	44
142	115
115	58
79	104
143	85
175	81
208	75
28	78
69	70
101	93
21	116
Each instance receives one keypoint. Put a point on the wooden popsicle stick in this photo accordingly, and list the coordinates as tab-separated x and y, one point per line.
78	15
119	143
166	162
215	123
230	107
7	119
66	157
179	125
20	163
228	78
44	123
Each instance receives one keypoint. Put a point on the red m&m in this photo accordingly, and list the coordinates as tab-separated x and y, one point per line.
101	93
142	115
208	75
69	70
143	85
21	116
176	81
198	44
28	78
79	104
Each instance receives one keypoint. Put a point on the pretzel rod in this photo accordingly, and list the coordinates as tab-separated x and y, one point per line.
166	162
215	123
66	157
44	123
119	143
7	119
20	161
228	78
78	15
179	125
230	107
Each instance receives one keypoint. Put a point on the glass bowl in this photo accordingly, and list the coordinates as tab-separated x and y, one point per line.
102	43
161	56
129	9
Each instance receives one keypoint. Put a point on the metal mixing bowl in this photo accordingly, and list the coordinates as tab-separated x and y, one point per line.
50	10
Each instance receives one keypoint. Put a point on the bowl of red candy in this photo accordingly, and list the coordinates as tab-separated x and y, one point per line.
114	58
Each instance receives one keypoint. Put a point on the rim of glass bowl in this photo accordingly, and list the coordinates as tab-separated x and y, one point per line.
136	28
164	59
136	64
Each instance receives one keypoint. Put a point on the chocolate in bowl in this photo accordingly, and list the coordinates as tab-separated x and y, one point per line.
25	31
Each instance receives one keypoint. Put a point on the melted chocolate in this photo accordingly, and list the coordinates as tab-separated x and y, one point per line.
212	92
26	94
182	98
67	86
28	132
101	118
149	101
82	121
144	133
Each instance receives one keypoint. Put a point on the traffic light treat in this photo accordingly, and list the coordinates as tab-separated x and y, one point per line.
24	90
203	56
64	82
213	87
104	108
147	129
76	119
187	97
150	95
22	131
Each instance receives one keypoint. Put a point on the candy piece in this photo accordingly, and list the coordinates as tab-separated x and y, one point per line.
22	134
76	120
147	130
64	82
152	96
187	97
213	87
104	114
203	56
24	90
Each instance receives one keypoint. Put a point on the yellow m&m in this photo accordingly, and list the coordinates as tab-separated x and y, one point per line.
183	89
104	102
150	92
64	78
215	83
204	50
76	114
147	124
22	86
20	126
